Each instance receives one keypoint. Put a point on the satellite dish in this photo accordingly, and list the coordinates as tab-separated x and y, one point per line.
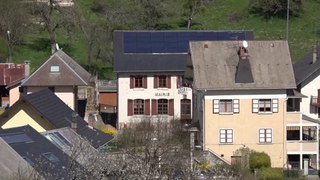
245	44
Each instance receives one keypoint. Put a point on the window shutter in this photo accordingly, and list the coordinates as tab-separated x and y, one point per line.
130	107
154	107
275	105
171	107
255	105
216	106
168	82
236	106
145	82
155	81
131	82
147	107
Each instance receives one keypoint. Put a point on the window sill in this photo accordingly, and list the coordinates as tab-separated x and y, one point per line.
265	143
138	89
265	113
162	88
226	113
225	143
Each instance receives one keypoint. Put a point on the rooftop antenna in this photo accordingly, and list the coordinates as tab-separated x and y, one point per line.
244	43
57	46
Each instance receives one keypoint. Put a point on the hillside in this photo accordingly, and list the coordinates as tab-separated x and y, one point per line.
304	31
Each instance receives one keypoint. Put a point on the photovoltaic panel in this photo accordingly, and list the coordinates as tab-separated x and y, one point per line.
13	138
172	42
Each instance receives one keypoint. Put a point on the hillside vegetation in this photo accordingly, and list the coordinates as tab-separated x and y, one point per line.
93	23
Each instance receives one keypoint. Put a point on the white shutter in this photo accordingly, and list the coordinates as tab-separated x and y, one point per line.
255	105
236	105
216	106
275	105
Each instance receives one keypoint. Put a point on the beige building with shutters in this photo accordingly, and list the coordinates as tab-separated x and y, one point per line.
243	94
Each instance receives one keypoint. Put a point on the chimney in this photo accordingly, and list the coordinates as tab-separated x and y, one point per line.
315	55
243	53
74	123
26	68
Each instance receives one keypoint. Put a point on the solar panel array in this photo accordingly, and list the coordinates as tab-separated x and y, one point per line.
172	42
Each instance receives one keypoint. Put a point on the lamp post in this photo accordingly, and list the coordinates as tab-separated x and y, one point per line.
9	47
288	14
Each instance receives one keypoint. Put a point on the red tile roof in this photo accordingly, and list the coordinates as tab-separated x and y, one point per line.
10	72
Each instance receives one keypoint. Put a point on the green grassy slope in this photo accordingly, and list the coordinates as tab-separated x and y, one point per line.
304	31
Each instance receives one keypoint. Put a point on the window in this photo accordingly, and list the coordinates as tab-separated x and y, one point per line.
138	82
293	133
265	135
162	106
57	139
162	81
226	106
264	105
54	69
185	109
51	157
226	136
309	133
138	106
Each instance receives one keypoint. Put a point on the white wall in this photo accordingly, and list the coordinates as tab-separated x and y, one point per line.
310	89
125	93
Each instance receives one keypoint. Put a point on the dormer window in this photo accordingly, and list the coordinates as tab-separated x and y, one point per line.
54	69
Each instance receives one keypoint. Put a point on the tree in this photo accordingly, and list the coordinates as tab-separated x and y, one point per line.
275	8
14	23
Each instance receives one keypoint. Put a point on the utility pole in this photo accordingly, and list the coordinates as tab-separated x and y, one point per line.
288	14
9	48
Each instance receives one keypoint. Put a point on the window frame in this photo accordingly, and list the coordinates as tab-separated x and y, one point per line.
138	81
162	81
235	106
225	133
263	136
138	110
163	106
54	69
223	106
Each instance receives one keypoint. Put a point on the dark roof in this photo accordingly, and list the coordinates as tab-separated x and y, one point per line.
304	68
54	110
31	145
70	73
214	65
10	72
243	72
161	51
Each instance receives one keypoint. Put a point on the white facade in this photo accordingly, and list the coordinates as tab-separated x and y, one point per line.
126	93
310	88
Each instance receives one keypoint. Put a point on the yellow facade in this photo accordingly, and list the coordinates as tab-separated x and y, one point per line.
245	126
24	115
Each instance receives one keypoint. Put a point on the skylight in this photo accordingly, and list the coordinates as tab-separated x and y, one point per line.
12	138
51	157
59	140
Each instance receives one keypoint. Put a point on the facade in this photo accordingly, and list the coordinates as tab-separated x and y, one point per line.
62	75
241	91
44	111
150	67
108	101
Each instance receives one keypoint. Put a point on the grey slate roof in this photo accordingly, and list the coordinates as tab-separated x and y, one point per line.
55	111
152	62
34	148
304	68
12	162
71	73
214	67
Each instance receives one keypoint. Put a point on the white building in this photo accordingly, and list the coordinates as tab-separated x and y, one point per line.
150	67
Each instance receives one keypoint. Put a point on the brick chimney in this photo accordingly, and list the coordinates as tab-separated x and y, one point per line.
243	53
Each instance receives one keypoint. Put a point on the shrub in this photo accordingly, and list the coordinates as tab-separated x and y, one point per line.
108	130
267	173
259	160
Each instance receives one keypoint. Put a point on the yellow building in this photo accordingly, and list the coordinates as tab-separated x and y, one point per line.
240	95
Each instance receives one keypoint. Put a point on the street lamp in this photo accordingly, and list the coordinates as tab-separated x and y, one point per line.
9	47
